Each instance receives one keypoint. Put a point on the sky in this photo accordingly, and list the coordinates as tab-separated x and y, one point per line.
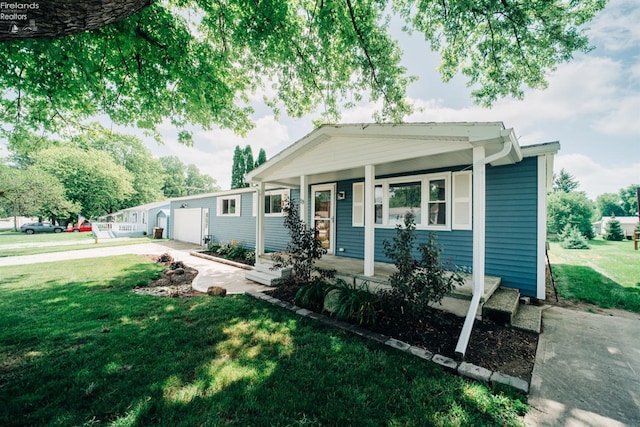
591	106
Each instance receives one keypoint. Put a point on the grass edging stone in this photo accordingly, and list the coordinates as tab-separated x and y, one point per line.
467	370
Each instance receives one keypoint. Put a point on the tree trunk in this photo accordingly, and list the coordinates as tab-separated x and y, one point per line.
20	19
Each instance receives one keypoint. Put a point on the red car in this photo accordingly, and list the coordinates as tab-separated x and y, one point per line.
85	226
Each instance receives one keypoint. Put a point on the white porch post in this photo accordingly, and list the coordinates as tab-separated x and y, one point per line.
304	190
369	220
479	168
479	180
260	221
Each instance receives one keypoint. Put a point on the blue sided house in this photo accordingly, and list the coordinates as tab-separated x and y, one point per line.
470	183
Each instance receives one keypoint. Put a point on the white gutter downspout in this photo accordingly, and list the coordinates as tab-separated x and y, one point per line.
479	201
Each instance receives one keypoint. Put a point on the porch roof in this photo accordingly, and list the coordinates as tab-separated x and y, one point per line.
338	152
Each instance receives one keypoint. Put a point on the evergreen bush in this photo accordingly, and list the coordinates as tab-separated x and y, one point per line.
572	238
613	231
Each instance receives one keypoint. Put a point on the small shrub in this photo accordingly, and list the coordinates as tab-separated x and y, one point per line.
355	302
303	249
573	239
417	283
176	265
165	258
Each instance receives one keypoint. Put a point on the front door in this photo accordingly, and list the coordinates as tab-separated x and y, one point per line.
323	210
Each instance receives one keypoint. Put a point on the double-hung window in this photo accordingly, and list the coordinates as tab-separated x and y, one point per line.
429	197
228	205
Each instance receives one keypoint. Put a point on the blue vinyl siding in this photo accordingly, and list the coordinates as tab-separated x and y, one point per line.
511	228
238	228
512	225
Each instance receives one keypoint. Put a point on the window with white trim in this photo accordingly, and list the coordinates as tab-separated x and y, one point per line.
228	205
429	197
274	202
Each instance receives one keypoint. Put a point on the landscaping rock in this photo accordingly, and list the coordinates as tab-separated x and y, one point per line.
476	372
216	291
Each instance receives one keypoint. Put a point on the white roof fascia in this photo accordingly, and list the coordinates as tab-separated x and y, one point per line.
214	194
547	148
471	132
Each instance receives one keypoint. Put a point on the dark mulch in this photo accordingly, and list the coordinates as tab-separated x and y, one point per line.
491	346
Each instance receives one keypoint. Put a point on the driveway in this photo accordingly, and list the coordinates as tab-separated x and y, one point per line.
587	371
210	273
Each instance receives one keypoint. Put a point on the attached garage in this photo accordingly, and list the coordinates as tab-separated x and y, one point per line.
190	225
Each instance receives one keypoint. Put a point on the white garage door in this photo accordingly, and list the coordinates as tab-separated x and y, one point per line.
188	225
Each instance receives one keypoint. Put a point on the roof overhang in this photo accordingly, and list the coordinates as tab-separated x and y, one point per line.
340	152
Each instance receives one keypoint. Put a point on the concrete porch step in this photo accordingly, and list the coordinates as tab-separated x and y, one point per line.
264	278
264	273
502	306
528	318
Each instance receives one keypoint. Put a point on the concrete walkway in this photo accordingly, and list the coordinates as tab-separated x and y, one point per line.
210	273
587	371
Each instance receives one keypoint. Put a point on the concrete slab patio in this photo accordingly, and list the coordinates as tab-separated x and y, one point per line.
587	371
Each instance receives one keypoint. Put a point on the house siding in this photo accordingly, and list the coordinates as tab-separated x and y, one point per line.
511	208
241	228
511	225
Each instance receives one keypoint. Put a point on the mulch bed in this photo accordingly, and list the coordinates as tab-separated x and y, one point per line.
491	346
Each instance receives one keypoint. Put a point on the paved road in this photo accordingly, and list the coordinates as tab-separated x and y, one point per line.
587	371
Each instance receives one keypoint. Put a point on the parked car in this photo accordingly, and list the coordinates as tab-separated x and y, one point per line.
85	226
41	227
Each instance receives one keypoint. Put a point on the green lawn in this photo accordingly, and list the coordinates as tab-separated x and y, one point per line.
45	242
78	348
607	274
8	237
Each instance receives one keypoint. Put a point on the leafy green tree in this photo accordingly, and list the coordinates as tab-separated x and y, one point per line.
33	192
608	204
198	183
574	209
90	177
238	168
629	200
262	157
613	231
564	181
130	152
173	172
196	62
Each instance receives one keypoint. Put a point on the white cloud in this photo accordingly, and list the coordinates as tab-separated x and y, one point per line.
595	178
616	28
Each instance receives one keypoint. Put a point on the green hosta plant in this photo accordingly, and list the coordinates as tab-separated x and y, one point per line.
354	302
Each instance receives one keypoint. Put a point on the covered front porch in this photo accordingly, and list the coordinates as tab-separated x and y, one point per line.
352	269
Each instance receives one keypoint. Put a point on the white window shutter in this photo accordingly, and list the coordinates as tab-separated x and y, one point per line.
462	201
357	213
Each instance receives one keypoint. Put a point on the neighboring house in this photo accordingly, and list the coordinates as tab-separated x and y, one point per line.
227	216
139	220
627	223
